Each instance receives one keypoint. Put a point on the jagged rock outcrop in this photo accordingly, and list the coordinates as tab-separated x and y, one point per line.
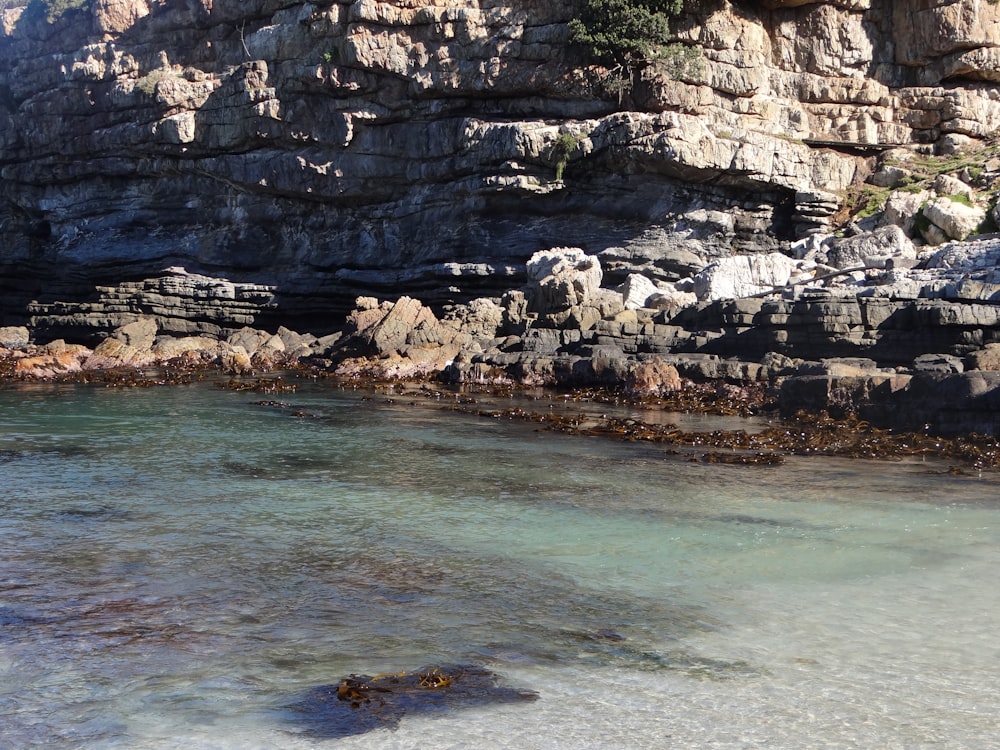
887	245
319	150
400	339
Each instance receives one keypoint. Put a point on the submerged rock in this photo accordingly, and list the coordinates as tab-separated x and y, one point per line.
360	703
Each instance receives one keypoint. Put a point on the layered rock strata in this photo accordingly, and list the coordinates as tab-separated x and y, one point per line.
322	150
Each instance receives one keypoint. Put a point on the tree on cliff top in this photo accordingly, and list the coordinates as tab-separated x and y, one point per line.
52	10
625	33
630	34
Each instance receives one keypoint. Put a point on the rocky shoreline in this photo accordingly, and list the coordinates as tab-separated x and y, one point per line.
642	343
805	214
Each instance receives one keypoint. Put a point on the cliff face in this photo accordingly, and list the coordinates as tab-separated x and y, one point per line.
306	153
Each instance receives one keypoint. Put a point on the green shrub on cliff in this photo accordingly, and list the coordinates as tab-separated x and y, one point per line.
562	149
625	32
627	35
53	10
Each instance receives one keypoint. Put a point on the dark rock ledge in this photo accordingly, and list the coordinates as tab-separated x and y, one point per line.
929	365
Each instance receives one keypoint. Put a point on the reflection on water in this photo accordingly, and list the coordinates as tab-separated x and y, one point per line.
181	565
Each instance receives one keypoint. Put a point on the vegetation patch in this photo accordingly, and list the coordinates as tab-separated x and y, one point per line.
867	200
624	32
52	10
628	35
562	149
147	84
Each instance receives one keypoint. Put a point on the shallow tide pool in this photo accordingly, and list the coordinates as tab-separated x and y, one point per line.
180	565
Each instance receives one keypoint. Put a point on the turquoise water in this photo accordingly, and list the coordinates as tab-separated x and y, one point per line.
180	565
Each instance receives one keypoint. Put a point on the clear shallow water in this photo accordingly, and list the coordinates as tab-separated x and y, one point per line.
179	565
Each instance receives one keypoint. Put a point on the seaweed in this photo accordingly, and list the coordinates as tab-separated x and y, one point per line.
362	703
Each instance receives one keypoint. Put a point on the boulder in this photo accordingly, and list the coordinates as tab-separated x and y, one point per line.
250	339
955	219
169	347
666	256
481	319
743	276
390	333
670	300
837	396
951	403
560	279
271	353
235	360
296	345
652	378
602	303
564	290
139	334
941	363
14	337
128	345
987	358
53	360
870	249
113	352
902	209
396	340
890	176
945	185
636	290
514	304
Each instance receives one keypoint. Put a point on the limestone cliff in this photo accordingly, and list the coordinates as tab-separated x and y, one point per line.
304	153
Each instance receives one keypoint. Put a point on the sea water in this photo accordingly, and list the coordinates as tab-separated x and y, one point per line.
180	565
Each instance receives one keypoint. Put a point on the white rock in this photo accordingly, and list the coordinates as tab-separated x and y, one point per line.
671	299
636	290
901	209
561	278
956	220
14	337
743	276
871	249
946	185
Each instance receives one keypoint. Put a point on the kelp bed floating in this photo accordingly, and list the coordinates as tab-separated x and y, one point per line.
803	435
807	434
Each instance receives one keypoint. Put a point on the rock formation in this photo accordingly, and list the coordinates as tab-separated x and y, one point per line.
298	154
200	179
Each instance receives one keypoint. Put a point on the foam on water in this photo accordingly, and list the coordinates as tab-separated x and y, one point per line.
179	565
